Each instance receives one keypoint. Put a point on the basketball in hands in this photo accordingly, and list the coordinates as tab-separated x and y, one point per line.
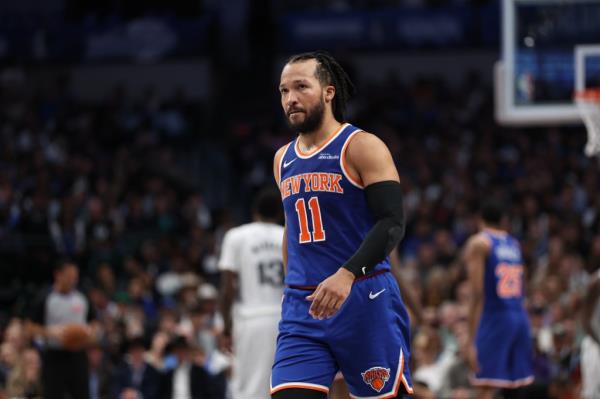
75	337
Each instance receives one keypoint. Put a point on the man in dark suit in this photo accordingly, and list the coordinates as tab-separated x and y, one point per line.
100	373
188	380
136	373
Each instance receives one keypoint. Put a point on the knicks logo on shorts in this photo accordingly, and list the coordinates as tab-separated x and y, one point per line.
376	377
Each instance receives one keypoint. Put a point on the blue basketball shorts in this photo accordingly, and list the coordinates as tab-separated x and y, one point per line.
367	340
504	350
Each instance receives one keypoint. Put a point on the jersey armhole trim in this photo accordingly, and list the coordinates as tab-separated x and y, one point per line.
344	166
281	163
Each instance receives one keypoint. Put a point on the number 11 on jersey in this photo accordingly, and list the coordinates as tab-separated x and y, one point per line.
318	233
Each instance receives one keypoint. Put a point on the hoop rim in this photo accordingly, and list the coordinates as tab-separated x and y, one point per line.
589	94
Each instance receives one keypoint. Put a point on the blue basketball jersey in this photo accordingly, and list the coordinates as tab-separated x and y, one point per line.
327	219
504	273
326	211
503	340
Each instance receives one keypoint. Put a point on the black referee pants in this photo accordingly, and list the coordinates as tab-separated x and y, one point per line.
65	374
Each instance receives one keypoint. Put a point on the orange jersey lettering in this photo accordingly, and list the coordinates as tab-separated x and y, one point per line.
307	182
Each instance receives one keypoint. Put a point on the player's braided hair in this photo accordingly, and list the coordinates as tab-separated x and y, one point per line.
330	72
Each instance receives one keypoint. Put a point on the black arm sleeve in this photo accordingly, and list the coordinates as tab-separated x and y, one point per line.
385	203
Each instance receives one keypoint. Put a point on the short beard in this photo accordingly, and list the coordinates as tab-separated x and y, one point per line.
312	120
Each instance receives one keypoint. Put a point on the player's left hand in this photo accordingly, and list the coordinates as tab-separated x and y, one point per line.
224	342
329	296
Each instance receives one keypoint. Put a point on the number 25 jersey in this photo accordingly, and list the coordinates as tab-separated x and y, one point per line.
326	211
504	273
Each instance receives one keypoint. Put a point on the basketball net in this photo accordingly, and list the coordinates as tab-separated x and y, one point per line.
588	103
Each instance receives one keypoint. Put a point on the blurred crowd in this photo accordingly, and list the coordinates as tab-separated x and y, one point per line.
105	185
102	185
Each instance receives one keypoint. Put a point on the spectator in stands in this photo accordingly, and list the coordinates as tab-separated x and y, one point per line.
25	380
135	373
8	360
100	374
156	353
455	382
188	380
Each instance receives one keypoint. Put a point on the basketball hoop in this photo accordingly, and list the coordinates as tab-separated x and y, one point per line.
588	103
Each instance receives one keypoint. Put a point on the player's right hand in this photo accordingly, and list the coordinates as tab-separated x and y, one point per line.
472	359
55	332
224	342
329	296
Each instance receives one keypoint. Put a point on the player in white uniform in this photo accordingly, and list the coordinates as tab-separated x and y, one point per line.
590	346
251	291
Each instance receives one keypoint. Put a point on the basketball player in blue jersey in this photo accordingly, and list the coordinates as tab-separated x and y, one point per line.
501	354
341	194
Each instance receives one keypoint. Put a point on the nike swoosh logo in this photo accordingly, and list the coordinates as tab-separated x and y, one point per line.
375	295
286	164
364	270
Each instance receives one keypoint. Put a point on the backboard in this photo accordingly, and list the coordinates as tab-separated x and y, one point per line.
549	50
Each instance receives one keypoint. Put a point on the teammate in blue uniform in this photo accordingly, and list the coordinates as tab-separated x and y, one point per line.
501	355
342	308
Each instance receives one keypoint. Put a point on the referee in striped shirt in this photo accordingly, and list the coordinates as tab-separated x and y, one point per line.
65	371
